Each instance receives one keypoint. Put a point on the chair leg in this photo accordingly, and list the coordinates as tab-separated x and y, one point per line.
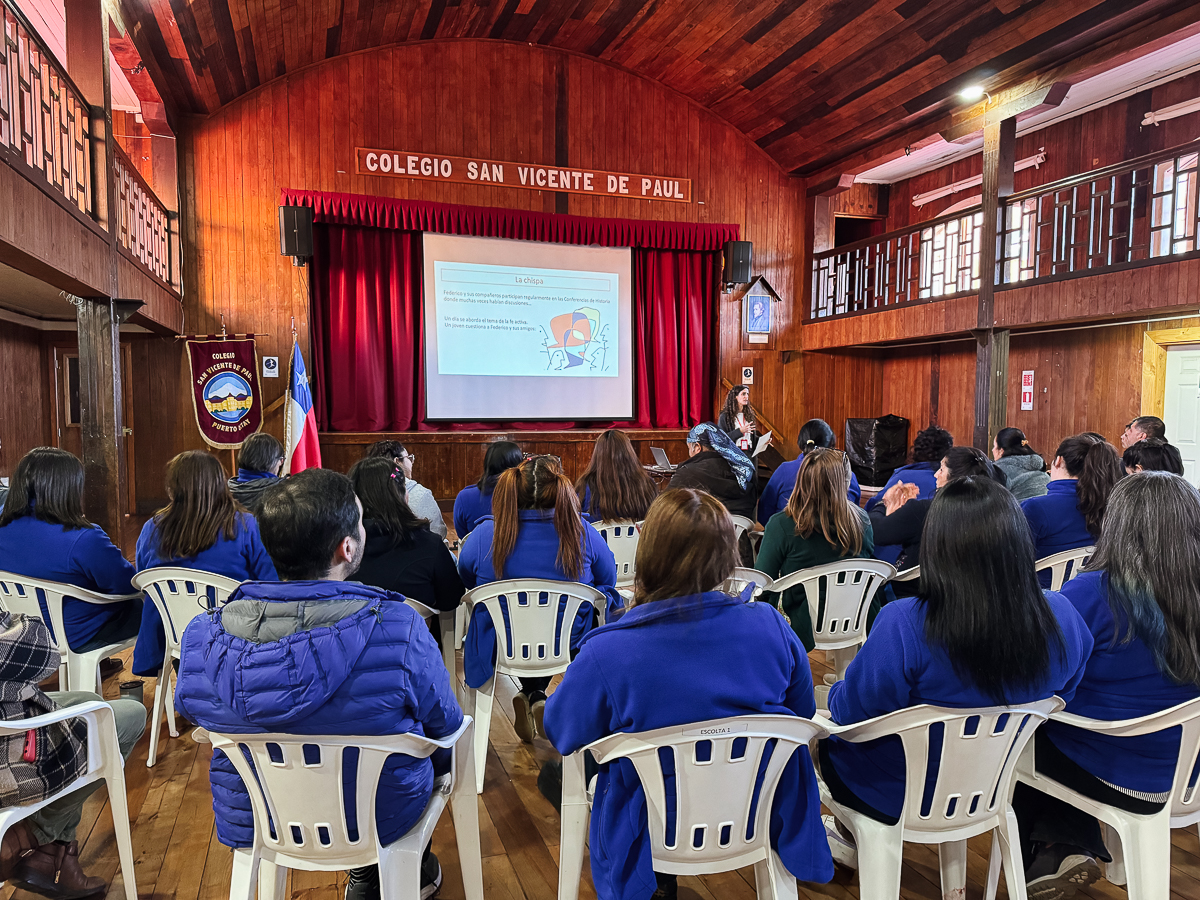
952	861
272	881
115	781
1147	852
245	875
1008	837
1114	872
157	707
993	872
773	881
841	660
83	672
483	726
573	827
169	693
464	807
400	870
880	857
460	625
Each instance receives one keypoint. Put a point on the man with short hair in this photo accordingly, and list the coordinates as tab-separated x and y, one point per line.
1143	428
315	654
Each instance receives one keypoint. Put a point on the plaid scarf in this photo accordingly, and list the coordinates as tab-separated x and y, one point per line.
27	657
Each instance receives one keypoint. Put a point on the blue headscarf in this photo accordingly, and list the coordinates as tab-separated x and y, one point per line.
742	465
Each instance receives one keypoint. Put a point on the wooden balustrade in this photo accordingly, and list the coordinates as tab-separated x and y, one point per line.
143	225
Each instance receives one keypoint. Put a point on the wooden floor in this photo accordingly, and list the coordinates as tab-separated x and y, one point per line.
178	856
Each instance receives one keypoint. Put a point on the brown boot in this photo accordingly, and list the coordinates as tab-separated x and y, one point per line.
53	871
17	842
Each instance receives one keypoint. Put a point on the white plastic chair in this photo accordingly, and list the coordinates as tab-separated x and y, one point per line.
741	578
741	524
622	539
300	821
972	795
76	671
104	763
716	764
839	620
1141	850
447	625
180	595
910	574
534	644
1064	566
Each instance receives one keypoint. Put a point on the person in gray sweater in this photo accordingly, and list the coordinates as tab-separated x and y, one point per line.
1022	466
420	498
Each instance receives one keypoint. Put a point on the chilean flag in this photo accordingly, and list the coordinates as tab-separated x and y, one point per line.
303	451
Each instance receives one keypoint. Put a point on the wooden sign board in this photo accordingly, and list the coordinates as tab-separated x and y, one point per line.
494	173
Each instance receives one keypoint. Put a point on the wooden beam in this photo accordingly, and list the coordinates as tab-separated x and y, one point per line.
1024	101
831	186
102	429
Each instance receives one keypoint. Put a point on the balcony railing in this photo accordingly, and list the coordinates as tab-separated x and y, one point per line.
1116	217
143	226
44	122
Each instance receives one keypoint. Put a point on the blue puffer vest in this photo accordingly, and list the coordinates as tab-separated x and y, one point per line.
317	657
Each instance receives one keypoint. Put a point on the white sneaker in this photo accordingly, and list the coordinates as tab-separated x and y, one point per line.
844	851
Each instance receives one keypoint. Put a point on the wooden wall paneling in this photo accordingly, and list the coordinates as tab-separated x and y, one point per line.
25	420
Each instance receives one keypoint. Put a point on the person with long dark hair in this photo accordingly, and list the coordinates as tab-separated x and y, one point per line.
615	486
685	652
814	433
1023	468
1084	471
420	499
716	465
474	502
981	633
1138	597
535	531
819	525
738	420
44	534
1152	455
201	527
402	554
259	467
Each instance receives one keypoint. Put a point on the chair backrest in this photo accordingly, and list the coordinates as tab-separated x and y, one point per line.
741	578
741	525
839	595
297	792
182	594
1064	566
19	594
979	749
533	619
911	574
622	540
721	812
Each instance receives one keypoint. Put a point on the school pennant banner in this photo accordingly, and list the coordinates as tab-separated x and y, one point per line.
225	394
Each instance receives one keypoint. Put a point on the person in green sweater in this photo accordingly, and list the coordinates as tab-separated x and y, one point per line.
819	525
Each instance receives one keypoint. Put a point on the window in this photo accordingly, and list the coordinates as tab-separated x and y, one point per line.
1173	215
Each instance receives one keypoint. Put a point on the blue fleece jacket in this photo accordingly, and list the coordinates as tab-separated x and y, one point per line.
533	557
1056	522
673	662
898	668
470	507
84	557
783	481
242	558
375	670
1120	681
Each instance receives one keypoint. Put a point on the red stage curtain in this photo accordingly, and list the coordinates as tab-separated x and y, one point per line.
368	338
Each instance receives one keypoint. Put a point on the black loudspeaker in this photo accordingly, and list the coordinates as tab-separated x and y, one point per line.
296	231
738	256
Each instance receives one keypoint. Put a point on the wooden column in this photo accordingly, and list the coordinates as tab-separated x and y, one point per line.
102	429
991	359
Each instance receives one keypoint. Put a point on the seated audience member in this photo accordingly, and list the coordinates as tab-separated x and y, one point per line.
259	462
737	419
900	517
1152	455
1137	597
474	503
819	525
715	465
43	534
813	434
1083	474
1023	469
420	498
615	486
1143	428
200	528
928	449
535	531
316	654
402	554
40	853
685	652
981	633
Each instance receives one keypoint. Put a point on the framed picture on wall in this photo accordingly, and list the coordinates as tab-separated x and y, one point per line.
758	311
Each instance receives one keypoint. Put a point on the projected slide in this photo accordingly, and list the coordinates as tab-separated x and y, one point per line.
524	321
526	331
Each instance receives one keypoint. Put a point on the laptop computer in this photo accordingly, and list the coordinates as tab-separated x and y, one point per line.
660	459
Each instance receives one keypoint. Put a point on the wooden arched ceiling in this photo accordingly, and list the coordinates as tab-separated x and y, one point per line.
810	81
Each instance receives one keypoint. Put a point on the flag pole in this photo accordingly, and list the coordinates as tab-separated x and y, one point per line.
287	403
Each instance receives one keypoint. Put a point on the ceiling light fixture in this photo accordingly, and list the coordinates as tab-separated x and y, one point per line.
972	92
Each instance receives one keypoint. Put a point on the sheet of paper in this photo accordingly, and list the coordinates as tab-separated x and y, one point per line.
762	444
